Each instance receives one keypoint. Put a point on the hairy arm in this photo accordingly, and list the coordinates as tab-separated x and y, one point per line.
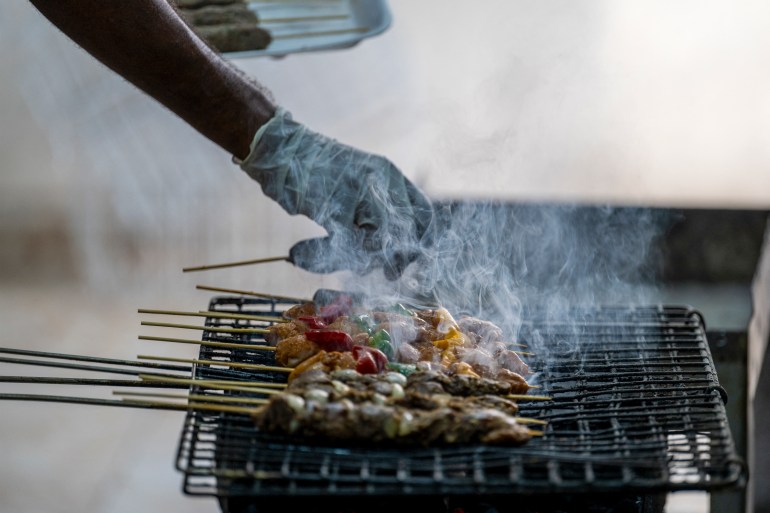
147	43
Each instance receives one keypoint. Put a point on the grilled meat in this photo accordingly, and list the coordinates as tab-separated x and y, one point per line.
293	350
375	409
325	361
481	331
303	310
219	15
282	330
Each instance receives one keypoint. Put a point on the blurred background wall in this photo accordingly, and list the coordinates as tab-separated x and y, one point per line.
105	196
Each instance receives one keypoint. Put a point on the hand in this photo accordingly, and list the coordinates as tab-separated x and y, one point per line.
374	215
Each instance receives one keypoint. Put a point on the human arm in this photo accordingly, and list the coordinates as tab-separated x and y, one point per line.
147	43
375	217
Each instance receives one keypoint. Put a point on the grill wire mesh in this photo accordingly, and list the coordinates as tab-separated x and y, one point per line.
636	407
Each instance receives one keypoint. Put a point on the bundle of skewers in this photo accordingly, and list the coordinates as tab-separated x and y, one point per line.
333	369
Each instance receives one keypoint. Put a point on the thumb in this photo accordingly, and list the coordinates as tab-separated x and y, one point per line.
324	255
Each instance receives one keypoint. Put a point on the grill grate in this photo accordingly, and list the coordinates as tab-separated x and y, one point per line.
637	407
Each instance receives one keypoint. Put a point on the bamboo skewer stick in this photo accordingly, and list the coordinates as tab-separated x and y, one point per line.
236	365
80	400
215	315
213	329
252	293
91	368
197	397
219	382
520	420
245	317
209	343
236	264
240	388
89	382
222	408
92	359
527	397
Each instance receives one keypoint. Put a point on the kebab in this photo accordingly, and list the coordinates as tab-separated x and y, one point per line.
469	346
391	409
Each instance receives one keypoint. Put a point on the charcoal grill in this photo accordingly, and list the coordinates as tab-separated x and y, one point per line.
637	411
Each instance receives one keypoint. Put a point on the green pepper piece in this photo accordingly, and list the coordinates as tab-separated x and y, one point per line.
381	340
364	322
402	368
401	310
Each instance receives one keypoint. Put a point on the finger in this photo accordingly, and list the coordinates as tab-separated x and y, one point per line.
325	255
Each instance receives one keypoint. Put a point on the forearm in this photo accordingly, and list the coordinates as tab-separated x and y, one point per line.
147	43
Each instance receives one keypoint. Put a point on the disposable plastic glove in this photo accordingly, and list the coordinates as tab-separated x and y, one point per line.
375	217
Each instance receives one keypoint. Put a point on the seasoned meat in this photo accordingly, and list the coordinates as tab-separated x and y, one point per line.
517	382
369	422
406	353
511	361
303	310
460	385
235	37
325	361
219	15
291	351
483	331
282	330
346	324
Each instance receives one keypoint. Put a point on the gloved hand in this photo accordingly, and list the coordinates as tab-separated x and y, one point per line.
375	217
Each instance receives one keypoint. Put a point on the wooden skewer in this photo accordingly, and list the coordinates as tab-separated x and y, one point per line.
212	329
523	353
527	397
215	315
252	389
212	382
520	420
80	400
196	397
133	383
223	408
209	343
236	365
252	293
236	264
245	317
535	433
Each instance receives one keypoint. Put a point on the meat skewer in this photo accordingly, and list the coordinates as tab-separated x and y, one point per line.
252	293
209	343
214	315
236	264
213	329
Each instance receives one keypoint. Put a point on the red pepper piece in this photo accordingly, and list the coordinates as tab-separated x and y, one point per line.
363	353
314	323
330	340
341	306
366	364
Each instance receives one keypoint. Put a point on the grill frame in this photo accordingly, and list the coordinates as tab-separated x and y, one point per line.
582	452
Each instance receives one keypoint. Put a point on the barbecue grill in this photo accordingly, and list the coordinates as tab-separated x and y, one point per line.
637	411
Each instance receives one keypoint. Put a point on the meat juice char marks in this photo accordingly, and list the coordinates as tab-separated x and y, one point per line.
396	377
